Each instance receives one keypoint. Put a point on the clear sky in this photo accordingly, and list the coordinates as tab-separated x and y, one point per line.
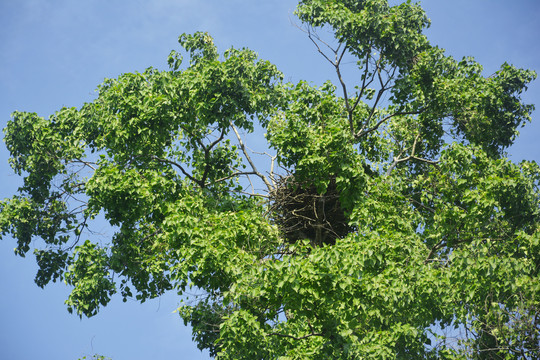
54	53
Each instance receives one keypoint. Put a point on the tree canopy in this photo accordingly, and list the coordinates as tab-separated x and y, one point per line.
381	220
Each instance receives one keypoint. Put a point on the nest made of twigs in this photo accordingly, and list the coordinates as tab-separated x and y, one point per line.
301	212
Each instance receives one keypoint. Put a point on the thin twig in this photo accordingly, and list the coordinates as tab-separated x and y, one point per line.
294	337
380	122
397	160
239	173
310	36
250	161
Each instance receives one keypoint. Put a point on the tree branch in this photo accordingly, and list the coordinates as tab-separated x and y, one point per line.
239	173
364	78
397	160
250	161
207	150
186	174
86	163
294	337
344	89
310	36
380	122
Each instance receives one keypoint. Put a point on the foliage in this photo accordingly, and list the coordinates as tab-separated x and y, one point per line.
435	251
96	357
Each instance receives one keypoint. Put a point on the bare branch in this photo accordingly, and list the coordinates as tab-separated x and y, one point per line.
382	90
344	89
397	160
254	194
310	36
239	173
250	161
364	84
86	163
294	337
272	171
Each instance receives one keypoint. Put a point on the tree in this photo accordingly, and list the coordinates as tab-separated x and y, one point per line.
383	220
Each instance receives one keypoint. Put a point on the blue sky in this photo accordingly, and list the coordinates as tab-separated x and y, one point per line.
54	53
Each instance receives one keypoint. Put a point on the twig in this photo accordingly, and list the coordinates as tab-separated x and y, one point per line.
380	122
189	176
294	337
397	160
250	161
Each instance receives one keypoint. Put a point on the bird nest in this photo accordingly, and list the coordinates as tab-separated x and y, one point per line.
301	212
